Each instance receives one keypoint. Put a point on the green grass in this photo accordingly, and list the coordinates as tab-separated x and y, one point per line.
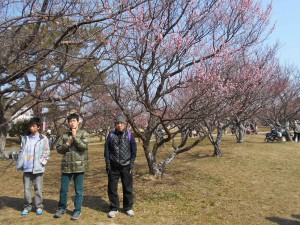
253	183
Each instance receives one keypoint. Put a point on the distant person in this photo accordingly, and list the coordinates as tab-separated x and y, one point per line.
296	137
120	154
256	128
48	134
32	160
74	147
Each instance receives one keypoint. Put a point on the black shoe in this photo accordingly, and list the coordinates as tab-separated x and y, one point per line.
76	215
59	213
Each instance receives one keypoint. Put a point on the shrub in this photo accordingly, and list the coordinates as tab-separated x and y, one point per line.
19	128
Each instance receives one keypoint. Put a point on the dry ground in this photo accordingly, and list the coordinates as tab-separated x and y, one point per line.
254	183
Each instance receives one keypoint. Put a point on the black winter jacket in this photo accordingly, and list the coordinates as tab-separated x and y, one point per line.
120	149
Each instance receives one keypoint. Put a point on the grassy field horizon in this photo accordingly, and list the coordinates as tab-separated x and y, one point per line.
252	183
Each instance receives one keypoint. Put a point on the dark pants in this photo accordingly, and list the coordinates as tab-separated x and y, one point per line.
127	186
64	188
296	137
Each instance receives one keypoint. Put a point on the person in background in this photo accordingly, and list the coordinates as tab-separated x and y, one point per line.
120	154
297	131
33	157
73	145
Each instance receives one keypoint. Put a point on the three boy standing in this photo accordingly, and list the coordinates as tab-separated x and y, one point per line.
120	153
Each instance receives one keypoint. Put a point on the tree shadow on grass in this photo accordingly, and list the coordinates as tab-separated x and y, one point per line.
195	156
50	205
94	202
283	221
296	216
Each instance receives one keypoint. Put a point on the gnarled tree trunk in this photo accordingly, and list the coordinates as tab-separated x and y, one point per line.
3	134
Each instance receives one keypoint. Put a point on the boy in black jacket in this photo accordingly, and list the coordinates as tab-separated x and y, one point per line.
120	154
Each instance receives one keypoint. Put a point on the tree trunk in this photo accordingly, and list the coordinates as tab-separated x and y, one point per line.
6	114
217	151
217	142
287	129
154	168
240	134
169	159
54	142
3	134
149	157
288	137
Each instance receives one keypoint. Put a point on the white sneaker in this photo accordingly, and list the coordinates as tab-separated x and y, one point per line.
112	214
130	212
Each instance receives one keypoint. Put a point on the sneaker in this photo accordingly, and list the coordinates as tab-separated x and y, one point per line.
130	213
39	211
76	215
59	213
112	214
24	212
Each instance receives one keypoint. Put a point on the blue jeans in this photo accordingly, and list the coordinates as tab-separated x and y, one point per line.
64	188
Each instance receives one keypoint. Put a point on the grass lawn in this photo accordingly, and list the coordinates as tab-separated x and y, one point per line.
254	183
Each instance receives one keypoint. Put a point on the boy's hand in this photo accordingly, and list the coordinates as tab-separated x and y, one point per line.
74	132
69	141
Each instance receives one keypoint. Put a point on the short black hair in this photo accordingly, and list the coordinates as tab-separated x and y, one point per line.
35	120
73	116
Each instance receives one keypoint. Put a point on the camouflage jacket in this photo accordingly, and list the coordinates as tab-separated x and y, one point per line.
75	155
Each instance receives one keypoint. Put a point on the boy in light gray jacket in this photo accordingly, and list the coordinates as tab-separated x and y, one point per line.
33	157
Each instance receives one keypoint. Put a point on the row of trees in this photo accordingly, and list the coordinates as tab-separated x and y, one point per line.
177	64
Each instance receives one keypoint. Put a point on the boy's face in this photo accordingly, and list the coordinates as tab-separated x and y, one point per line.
34	129
73	123
120	126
